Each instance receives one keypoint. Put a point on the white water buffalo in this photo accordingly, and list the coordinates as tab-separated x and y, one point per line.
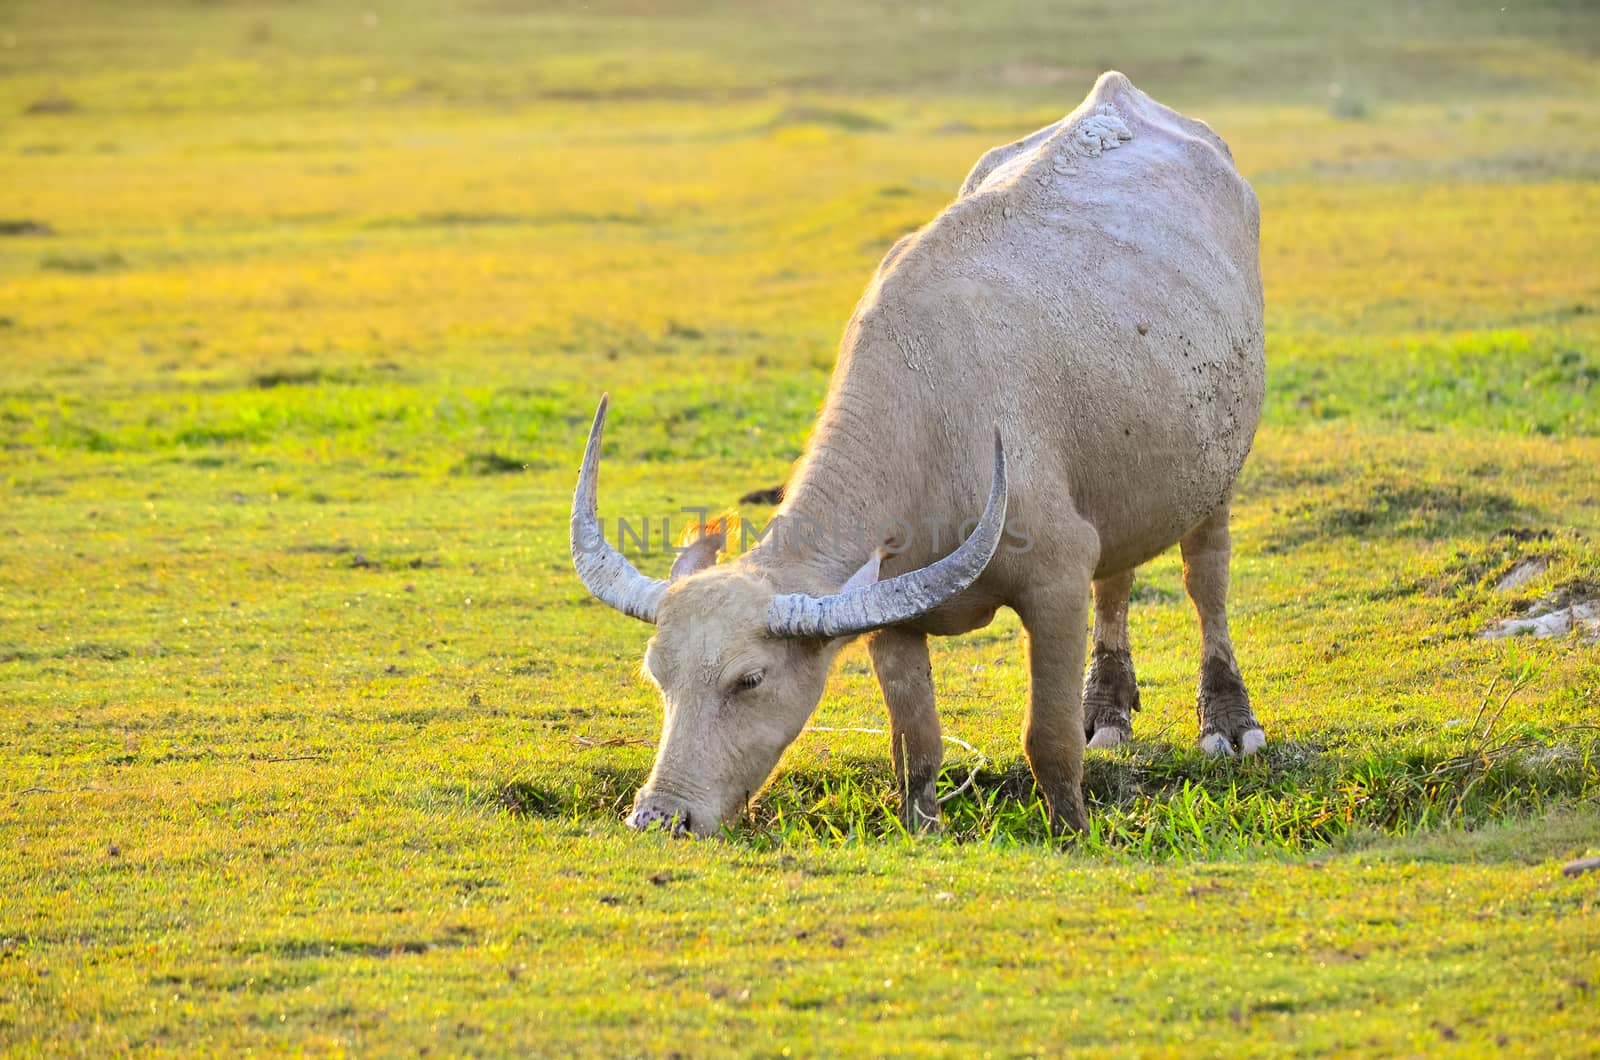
1072	348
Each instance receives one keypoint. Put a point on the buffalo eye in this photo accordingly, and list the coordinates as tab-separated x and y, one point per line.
749	681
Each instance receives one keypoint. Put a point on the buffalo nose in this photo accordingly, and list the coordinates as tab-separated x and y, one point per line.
647	817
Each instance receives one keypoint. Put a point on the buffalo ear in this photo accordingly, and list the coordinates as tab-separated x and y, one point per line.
866	575
698	556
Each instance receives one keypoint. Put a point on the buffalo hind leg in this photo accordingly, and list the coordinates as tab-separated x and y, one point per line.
900	659
1227	723
1056	617
1111	692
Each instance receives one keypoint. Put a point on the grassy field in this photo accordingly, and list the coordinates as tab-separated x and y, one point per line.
313	742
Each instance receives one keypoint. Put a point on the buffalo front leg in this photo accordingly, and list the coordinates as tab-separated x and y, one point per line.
1056	618
900	659
1226	721
1111	692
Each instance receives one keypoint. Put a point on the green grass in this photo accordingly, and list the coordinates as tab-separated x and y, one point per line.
314	743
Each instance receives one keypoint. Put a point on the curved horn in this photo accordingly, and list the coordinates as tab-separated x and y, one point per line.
604	570
907	596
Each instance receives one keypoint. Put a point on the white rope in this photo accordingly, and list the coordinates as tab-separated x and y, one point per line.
965	784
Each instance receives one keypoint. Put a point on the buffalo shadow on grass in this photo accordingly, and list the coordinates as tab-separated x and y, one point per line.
604	791
1152	799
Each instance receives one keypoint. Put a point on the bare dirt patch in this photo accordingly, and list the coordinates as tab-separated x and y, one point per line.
1567	610
1523	573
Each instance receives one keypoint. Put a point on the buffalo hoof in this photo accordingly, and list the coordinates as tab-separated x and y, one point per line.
1227	724
1250	741
919	803
920	821
1109	736
1068	822
1110	696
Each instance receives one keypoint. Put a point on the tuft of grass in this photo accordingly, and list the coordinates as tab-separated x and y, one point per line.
102	261
288	377
1381	502
491	464
22	226
824	117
